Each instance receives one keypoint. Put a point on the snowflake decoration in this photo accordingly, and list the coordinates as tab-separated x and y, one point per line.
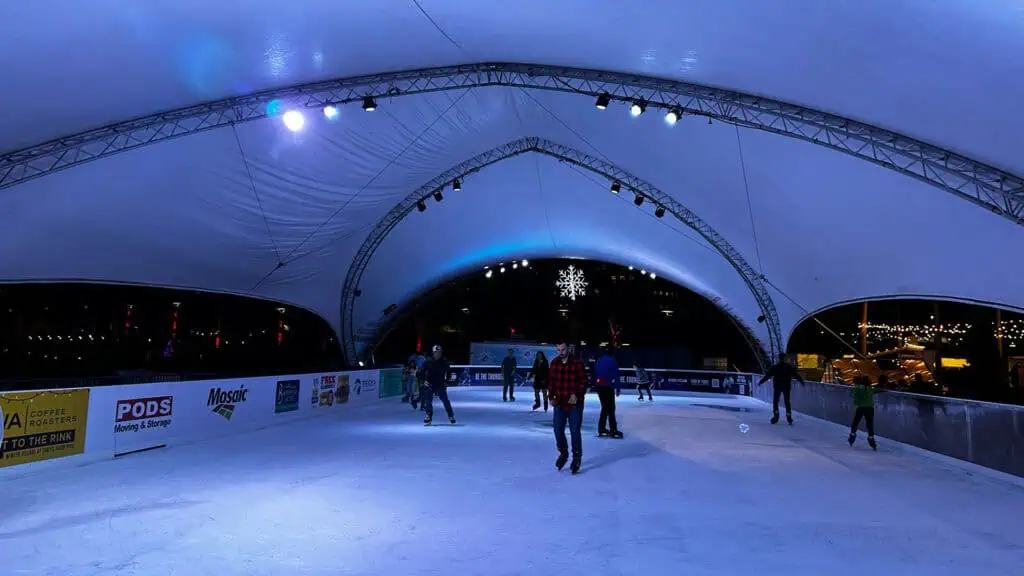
572	283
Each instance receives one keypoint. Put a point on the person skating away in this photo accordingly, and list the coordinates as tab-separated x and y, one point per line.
864	401
508	372
435	374
643	383
567	384
782	375
540	380
418	361
409	383
607	382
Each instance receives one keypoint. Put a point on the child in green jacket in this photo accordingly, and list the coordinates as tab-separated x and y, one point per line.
864	400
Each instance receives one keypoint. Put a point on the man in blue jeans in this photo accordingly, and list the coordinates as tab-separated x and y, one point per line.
567	385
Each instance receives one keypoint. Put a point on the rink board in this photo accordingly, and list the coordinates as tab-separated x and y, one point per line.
122	420
732	383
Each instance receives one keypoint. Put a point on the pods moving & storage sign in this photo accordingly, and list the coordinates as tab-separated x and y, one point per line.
42	425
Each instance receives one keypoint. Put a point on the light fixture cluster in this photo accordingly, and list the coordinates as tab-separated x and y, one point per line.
294	120
638	106
650	275
638	198
502	267
421	204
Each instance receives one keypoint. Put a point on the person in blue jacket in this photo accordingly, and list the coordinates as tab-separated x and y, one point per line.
608	385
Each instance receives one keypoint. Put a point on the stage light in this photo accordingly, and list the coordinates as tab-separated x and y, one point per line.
502	270
293	120
603	100
653	275
330	111
369	104
673	116
421	206
761	318
643	272
526	263
456	185
515	265
630	267
637	108
659	212
438	196
638	200
489	273
616	187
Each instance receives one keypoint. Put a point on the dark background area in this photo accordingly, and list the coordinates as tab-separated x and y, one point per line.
675	327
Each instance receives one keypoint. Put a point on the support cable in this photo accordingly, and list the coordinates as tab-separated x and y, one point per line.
259	203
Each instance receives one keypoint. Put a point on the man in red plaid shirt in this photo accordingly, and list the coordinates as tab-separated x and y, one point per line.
567	384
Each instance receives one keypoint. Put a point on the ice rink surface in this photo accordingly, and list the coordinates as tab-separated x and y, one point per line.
371	491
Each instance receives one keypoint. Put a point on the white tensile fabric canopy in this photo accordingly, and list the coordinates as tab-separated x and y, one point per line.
223	209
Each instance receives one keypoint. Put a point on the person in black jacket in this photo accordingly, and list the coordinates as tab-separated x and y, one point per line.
435	376
540	380
782	375
508	372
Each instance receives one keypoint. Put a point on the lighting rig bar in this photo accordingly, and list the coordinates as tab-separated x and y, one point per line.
997	190
567	155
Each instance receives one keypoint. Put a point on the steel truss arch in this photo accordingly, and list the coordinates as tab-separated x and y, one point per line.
992	188
568	155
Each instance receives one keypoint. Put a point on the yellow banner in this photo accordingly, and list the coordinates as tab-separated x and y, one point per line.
42	425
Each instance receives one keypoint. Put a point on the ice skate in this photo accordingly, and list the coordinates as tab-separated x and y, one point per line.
775	418
575	466
427	420
789	418
616	434
852	439
451	419
562	459
602	433
871	442
536	405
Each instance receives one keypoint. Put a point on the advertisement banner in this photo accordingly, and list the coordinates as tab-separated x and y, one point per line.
287	398
324	390
674	380
364	386
142	423
390	382
225	401
492	353
42	425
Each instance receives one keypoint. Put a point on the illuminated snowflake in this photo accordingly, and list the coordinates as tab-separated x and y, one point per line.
572	283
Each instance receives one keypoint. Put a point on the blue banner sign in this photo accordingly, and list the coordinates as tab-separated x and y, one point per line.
672	380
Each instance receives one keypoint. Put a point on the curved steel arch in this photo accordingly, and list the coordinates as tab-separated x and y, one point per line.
571	156
997	190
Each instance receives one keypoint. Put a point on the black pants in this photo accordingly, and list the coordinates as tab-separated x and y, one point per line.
509	389
868	414
783	391
428	400
640	389
607	397
538	393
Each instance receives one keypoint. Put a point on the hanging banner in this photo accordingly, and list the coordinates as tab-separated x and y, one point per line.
41	426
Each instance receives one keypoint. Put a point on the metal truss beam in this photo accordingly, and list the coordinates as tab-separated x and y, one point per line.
613	173
992	188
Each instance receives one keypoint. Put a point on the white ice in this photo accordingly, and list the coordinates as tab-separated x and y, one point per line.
371	491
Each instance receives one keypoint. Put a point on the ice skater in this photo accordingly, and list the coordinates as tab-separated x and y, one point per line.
781	375
540	380
508	372
410	385
567	385
643	383
435	383
608	384
864	401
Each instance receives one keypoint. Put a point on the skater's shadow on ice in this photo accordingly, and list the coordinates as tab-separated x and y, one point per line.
84	518
631	452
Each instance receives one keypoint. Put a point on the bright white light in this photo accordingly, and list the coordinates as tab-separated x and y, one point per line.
636	109
671	117
294	120
502	270
361	363
526	263
643	271
653	275
630	267
331	111
515	265
489	273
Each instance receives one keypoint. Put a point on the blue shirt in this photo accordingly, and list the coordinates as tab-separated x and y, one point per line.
606	372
